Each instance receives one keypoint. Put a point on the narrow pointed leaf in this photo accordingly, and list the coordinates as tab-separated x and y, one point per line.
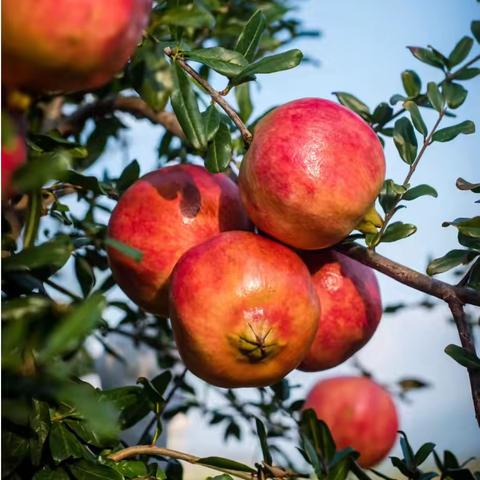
419	191
426	56
449	133
435	97
186	109
405	140
270	64
467	73
416	117
211	119
219	151
353	103
226	62
475	27
460	52
463	357
423	452
244	101
411	83
73	328
398	230
454	94
225	463
450	260
262	436
251	35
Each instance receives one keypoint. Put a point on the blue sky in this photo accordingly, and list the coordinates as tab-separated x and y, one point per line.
362	51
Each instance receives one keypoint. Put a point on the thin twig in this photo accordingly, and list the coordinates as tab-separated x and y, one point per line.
216	96
132	105
426	142
166	452
466	340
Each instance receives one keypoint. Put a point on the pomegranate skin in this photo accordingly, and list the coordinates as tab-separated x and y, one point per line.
351	308
313	170
68	45
162	215
359	413
244	310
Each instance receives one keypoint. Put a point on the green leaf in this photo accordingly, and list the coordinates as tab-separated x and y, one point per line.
467	226
131	252
463	357
464	185
22	308
87	433
131	402
130	468
396	98
15	453
251	35
226	62
416	116
382	114
467	73
312	456
242	94
85	275
64	444
46	473
411	83
88	183
419	191
270	64
423	452
47	258
449	133
40	424
454	94
460	51
225	463
406	450
319	434
72	329
191	15
435	97
219	151
353	103
405	140
475	27
389	194
450	260
398	230
129	175
42	168
211	119
262	436
84	470
426	56
186	109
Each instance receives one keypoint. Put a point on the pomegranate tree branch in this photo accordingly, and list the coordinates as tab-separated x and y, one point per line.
456	307
216	96
410	277
132	105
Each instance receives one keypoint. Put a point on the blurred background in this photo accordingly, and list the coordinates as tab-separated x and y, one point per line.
361	50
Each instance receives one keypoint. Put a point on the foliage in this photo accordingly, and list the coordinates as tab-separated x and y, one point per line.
55	426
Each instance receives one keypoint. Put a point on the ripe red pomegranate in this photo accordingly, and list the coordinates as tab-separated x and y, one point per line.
244	310
68	45
351	308
359	413
313	170
163	214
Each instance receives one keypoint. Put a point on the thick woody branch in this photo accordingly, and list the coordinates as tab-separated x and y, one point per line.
133	105
216	96
410	277
466	340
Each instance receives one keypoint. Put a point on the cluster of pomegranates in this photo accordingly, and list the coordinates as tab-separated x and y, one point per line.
249	305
